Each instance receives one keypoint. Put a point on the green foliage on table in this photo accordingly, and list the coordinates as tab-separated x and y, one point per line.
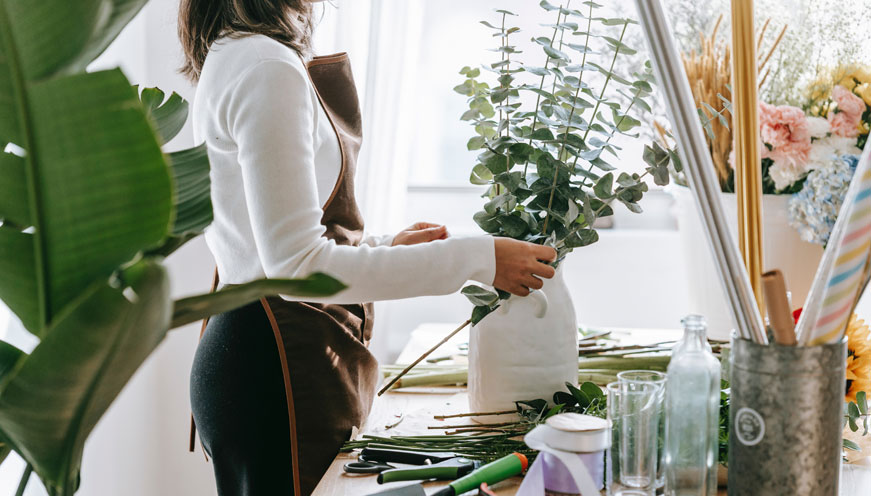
488	442
856	415
549	167
89	205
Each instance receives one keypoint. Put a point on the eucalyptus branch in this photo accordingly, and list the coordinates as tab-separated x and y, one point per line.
613	132
502	85
595	215
541	86
562	36
569	123
607	80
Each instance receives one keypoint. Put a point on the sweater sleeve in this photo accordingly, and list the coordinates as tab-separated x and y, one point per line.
270	116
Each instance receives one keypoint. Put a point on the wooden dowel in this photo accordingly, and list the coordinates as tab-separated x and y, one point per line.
422	357
779	313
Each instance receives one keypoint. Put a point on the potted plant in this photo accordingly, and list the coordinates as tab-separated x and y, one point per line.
89	207
548	168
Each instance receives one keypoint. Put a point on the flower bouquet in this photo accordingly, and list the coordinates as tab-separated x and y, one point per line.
808	153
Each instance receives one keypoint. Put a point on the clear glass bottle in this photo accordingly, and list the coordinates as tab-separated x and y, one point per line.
692	409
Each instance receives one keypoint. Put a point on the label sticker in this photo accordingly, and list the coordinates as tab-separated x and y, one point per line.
749	426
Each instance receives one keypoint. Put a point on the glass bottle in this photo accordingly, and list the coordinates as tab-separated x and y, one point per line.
692	409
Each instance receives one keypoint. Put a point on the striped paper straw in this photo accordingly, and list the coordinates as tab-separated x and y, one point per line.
842	272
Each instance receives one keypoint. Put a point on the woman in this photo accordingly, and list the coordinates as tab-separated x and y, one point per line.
277	385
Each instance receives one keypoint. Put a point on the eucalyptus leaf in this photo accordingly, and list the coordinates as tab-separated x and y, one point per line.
603	187
479	312
479	296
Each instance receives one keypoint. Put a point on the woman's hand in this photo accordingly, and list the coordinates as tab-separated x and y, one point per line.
422	232
518	263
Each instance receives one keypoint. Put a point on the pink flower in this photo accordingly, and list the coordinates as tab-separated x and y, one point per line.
787	131
847	101
845	120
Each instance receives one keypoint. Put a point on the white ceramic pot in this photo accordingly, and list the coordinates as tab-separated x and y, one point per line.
782	248
525	350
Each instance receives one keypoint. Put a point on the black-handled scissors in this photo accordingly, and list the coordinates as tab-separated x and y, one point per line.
366	467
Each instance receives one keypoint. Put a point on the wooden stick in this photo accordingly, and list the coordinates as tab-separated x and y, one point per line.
422	357
472	414
779	313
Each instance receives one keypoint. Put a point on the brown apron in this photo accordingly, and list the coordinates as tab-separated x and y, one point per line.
329	374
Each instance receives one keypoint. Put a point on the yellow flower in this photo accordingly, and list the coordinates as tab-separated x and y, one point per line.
848	82
864	91
858	358
863	74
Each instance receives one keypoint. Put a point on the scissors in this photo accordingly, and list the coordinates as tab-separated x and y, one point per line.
366	467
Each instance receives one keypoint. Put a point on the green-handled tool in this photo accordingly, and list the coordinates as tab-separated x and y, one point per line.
447	470
493	472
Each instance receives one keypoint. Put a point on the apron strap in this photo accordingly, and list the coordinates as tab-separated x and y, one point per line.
291	410
193	437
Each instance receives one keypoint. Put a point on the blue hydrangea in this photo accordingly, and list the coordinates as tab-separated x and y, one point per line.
814	210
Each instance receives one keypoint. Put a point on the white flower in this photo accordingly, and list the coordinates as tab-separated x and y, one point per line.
843	146
818	127
822	154
786	172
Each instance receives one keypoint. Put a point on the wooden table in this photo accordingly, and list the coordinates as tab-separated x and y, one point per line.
410	412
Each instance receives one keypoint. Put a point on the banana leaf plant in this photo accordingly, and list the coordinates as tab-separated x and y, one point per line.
89	206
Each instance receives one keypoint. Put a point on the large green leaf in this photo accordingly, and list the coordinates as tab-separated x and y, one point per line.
103	187
169	116
193	200
95	183
50	401
64	36
13	190
195	308
120	12
18	286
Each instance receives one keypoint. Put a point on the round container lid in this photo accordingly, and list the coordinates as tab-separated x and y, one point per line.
578	433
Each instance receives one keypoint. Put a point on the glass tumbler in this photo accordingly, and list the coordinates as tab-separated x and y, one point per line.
634	416
658	379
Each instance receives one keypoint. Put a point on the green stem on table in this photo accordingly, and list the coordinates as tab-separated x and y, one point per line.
472	414
495	424
432	379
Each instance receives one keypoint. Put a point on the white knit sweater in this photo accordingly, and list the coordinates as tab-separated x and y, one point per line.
275	161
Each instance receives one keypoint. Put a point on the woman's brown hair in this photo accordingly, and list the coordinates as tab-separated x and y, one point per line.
201	22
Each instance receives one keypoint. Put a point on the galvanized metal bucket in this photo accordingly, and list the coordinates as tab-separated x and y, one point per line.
786	418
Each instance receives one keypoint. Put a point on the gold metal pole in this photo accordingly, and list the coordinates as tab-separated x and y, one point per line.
748	170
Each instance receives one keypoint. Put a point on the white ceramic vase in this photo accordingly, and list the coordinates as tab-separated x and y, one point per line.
782	248
525	350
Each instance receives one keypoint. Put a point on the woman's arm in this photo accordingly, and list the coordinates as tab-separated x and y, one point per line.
270	116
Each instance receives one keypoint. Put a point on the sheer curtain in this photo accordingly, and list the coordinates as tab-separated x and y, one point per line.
382	38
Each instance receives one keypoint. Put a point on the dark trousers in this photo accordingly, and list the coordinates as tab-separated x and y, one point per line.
239	404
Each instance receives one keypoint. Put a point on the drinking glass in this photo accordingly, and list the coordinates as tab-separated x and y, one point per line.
634	415
658	379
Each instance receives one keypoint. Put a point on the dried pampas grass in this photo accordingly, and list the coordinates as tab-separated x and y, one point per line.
710	72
